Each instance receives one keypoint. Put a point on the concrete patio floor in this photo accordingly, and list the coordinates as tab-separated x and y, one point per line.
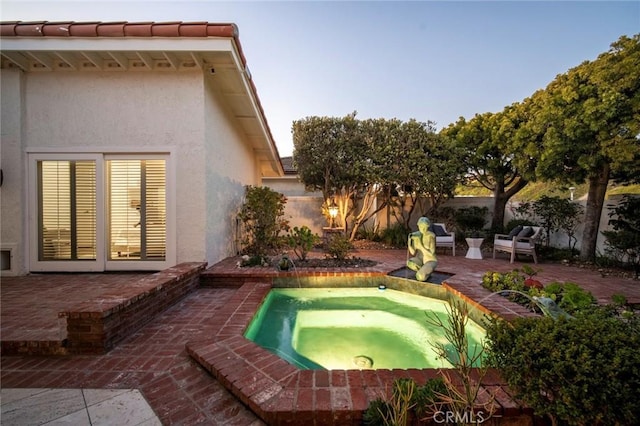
153	360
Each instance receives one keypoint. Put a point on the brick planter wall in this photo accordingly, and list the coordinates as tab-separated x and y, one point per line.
97	325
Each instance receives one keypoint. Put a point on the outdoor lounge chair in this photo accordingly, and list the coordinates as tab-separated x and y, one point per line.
444	238
521	242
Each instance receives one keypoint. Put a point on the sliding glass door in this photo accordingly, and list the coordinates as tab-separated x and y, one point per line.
137	210
98	212
67	217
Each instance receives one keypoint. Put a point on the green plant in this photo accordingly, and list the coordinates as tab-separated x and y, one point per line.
553	290
576	371
575	298
262	216
569	296
497	281
462	383
472	219
301	241
558	214
395	236
376	412
401	402
455	391
523	212
428	397
338	246
424	400
619	299
623	242
368	233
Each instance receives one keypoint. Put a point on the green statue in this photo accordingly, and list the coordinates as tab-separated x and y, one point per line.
422	247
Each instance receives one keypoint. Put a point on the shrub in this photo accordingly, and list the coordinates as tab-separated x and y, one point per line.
576	371
262	216
368	233
301	241
471	219
568	296
395	236
408	402
338	246
574	298
558	214
623	243
497	281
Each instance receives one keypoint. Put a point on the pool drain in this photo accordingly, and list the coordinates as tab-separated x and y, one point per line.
363	361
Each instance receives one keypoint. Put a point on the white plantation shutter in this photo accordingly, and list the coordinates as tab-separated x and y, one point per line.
137	209
155	209
67	210
86	225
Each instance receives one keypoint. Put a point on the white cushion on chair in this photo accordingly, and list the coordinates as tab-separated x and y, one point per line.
448	240
526	245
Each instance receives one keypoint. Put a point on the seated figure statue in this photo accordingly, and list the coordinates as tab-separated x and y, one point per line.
422	248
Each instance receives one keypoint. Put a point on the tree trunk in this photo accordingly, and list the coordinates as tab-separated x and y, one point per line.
500	199
593	211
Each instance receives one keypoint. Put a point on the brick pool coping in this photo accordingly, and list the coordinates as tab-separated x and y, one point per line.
280	393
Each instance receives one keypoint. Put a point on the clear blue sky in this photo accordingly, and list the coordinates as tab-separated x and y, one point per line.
423	59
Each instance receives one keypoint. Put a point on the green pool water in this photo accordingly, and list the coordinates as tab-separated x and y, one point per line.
352	328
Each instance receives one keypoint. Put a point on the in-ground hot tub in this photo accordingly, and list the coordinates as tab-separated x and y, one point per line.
353	328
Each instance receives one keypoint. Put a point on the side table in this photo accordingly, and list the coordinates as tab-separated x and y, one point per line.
474	251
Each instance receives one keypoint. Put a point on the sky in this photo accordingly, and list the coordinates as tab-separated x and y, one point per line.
427	60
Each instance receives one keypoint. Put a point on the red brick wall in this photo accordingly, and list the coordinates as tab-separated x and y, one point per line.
97	325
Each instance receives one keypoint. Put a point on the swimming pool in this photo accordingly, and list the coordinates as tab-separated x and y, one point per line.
352	328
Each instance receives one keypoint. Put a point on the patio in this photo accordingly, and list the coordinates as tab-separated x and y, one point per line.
154	359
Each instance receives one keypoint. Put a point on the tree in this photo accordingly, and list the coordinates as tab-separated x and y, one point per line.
341	157
486	141
378	135
590	121
423	166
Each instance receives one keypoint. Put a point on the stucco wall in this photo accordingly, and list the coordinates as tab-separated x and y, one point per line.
304	208
12	208
230	165
118	112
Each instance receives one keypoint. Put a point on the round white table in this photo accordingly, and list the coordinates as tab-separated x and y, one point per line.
474	251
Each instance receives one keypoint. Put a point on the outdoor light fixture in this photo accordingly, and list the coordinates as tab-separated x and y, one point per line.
333	212
572	190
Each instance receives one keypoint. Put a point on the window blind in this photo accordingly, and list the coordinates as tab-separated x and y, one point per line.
67	210
137	209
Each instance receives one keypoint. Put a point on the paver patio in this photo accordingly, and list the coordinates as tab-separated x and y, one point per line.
154	359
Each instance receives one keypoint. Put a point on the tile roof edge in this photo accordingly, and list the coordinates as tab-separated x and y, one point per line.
124	29
105	29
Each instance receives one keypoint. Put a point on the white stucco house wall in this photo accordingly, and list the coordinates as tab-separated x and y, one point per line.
125	146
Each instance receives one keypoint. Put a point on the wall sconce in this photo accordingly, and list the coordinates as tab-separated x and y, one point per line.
333	212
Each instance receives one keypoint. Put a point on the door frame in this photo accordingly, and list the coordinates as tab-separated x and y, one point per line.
101	263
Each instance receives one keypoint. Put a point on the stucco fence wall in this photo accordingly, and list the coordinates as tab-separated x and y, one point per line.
304	208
